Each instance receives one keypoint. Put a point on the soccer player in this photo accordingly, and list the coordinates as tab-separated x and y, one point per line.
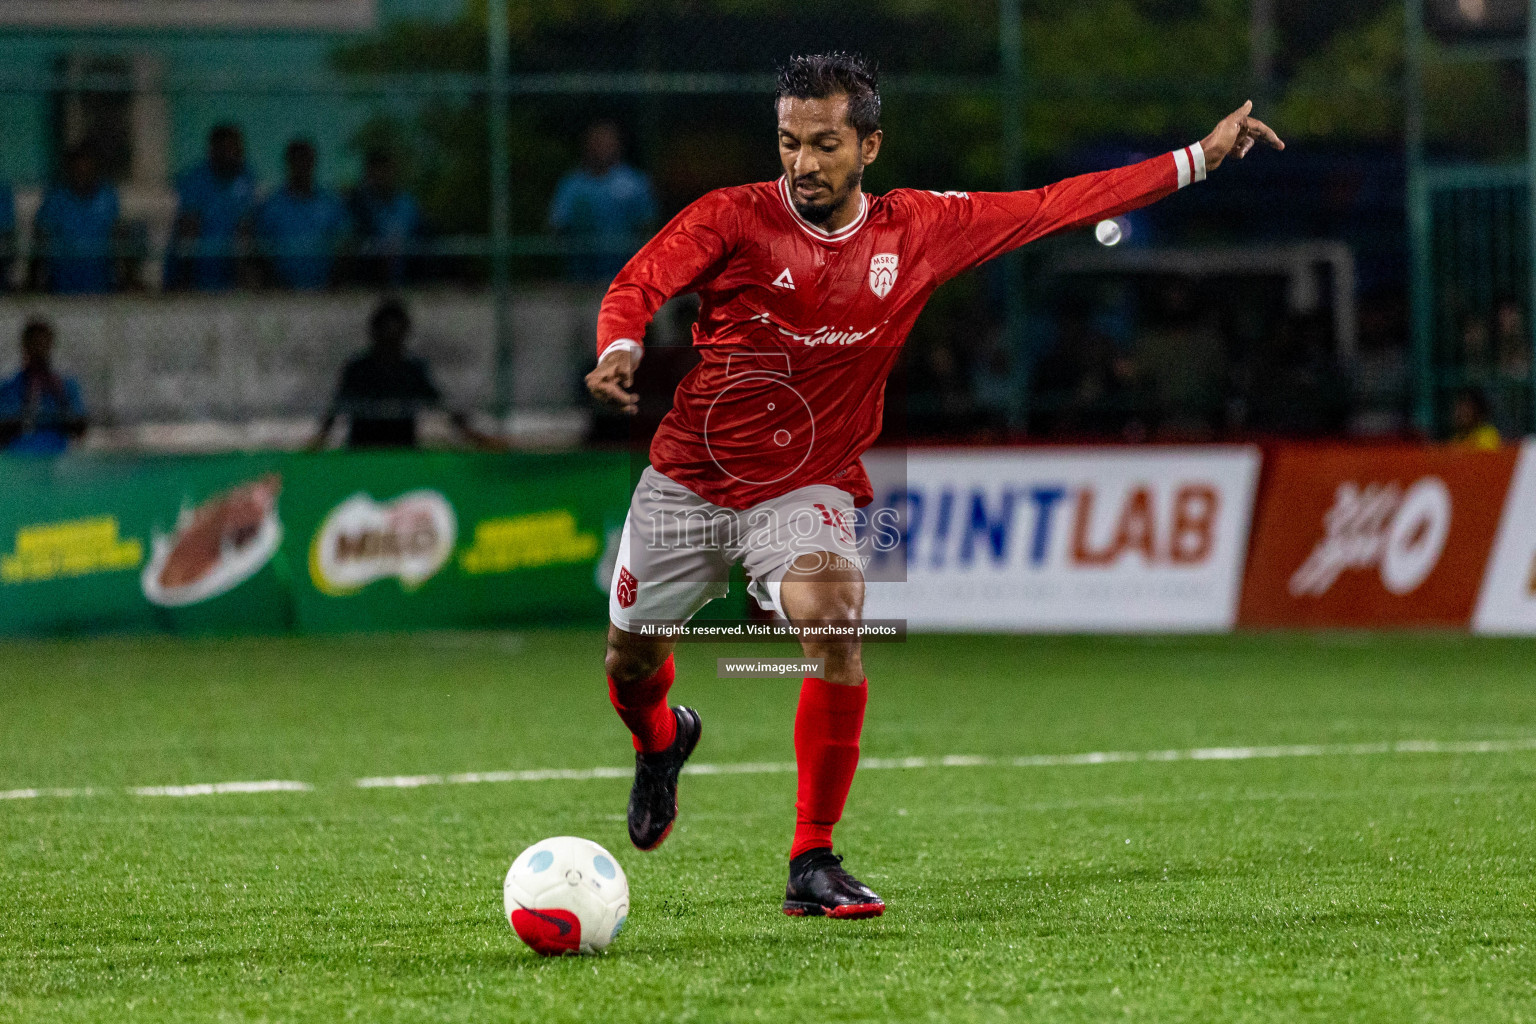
808	288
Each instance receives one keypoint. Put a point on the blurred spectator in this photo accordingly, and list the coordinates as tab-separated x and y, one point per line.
1112	400
40	411
215	203
1511	401
939	403
1471	422
7	234
77	231
301	227
992	384
383	390
1130	408
1097	391
1295	386
388	223
1474	345
1511	340
1185	363
603	204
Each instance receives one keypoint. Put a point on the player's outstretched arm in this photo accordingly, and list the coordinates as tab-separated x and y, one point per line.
970	228
611	383
1237	133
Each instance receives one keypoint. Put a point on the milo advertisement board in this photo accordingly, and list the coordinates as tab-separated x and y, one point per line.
327	541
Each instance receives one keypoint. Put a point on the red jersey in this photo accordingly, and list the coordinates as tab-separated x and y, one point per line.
799	327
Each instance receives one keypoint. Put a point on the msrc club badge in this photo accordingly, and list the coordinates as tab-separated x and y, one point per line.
882	273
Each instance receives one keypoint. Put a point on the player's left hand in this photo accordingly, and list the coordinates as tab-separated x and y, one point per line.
1236	135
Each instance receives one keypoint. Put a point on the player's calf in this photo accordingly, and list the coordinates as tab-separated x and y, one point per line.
640	674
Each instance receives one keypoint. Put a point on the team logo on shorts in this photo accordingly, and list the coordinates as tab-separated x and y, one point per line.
882	273
837	519
627	588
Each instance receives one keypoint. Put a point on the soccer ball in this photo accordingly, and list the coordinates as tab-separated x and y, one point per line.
566	895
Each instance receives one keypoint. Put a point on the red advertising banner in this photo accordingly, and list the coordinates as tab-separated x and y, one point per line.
1369	535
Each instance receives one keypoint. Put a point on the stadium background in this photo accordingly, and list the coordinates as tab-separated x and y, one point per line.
1360	289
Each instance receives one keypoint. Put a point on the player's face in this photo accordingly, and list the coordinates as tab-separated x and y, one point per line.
823	157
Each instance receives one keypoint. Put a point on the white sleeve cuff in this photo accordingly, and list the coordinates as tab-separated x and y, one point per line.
1191	164
629	345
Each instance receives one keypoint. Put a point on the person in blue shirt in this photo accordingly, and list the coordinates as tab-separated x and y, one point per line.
300	229
604	206
215	202
7	234
388	222
40	410
77	231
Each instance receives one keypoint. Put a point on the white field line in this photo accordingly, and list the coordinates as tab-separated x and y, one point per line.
974	761
33	794
1511	746
220	788
198	789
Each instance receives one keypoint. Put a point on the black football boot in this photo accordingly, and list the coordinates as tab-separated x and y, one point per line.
818	886
653	797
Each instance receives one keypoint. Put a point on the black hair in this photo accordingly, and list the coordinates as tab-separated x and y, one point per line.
297	146
387	310
224	130
818	76
36	326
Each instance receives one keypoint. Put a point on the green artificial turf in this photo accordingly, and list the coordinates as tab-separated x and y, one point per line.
1365	887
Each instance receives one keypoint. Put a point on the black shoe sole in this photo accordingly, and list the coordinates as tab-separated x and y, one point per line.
698	731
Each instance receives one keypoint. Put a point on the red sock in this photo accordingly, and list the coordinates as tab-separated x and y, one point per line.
827	727
643	706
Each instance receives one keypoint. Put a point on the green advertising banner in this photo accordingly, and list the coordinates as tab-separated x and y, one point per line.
329	541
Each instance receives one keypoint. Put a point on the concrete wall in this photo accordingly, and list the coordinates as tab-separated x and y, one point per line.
159	359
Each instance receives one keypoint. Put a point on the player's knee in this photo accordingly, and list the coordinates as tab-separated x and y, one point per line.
625	664
840	603
835	608
842	661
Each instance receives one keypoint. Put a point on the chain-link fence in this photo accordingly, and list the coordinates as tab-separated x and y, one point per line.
244	197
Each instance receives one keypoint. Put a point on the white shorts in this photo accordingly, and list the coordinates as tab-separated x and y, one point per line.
677	549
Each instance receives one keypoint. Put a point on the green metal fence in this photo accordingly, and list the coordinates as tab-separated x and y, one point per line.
504	92
1472	230
984	102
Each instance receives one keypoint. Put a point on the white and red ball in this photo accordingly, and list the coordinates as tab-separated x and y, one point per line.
566	895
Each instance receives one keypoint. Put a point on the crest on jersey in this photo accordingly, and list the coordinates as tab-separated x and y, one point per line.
882	273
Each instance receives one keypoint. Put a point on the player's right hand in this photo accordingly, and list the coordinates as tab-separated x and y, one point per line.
611	381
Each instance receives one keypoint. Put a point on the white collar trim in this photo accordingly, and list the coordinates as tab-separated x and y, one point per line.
816	231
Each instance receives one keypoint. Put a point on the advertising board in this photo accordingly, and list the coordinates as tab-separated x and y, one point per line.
330	541
1507	601
1086	539
1373	535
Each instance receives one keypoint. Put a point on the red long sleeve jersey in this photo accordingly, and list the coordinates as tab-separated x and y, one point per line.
798	328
